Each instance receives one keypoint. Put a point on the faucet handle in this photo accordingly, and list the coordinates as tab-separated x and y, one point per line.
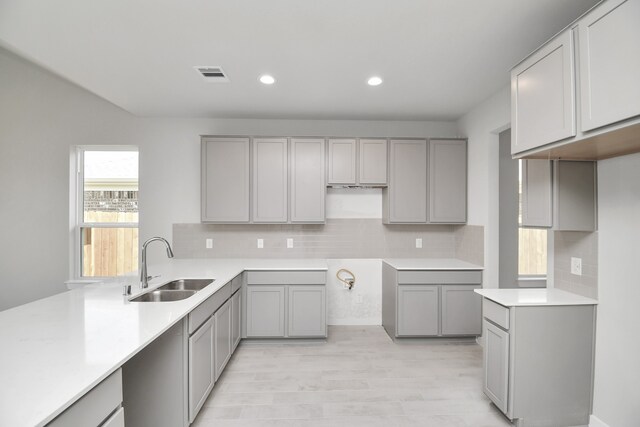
152	277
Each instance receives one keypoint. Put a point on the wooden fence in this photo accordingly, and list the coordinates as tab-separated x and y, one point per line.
532	251
109	251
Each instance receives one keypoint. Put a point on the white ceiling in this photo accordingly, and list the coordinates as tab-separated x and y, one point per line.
438	58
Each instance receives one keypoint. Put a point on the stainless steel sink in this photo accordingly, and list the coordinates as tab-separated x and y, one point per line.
175	290
187	285
163	296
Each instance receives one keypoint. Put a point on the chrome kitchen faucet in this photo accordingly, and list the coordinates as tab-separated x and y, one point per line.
144	279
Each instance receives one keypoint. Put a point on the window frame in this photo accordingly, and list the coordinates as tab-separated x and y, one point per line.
77	222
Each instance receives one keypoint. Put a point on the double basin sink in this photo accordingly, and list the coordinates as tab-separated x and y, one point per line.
175	290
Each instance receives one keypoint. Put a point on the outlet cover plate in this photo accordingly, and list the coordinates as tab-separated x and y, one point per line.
576	266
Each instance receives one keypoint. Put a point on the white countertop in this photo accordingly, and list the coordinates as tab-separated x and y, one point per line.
56	349
528	297
431	264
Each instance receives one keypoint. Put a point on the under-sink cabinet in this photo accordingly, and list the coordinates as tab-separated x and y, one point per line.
190	356
284	304
538	361
431	303
102	406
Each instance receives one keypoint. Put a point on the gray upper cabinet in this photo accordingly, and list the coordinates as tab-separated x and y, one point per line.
447	181
372	162
543	96
225	179
609	40
405	200
574	196
559	194
537	194
270	189
307	180
342	161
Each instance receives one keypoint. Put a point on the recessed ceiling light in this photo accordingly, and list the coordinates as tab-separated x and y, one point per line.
267	79
374	81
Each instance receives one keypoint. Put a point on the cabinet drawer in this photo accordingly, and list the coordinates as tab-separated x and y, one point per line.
116	420
286	277
202	312
94	407
454	277
496	313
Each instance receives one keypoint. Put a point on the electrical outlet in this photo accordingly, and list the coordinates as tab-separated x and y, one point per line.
260	243
576	266
289	243
419	243
209	243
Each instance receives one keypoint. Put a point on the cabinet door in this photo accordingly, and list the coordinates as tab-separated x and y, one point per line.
222	345
609	39
448	181
543	96
201	367
270	180
265	311
342	162
116	420
307	180
307	311
496	364
461	310
225	180
373	162
574	196
418	312
537	193
407	192
236	320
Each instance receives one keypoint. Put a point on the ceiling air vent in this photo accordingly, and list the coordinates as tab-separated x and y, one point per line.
213	74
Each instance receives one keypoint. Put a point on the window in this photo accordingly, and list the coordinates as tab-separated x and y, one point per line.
532	243
106	232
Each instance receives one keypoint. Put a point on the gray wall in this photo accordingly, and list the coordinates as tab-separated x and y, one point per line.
617	374
42	116
508	199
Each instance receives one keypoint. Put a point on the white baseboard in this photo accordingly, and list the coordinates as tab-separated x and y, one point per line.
596	422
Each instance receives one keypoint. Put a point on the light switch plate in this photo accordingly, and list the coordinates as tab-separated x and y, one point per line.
576	266
419	243
289	243
209	243
260	243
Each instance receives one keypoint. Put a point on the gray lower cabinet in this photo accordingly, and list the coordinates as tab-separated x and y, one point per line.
270	176
222	347
265	311
447	181
285	304
538	362
405	200
201	366
236	320
307	176
461	310
496	364
99	407
307	311
418	313
225	179
559	194
431	303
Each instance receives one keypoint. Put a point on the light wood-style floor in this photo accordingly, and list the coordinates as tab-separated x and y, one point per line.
359	377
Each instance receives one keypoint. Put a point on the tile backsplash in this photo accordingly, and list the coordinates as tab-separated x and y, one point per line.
577	244
338	238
